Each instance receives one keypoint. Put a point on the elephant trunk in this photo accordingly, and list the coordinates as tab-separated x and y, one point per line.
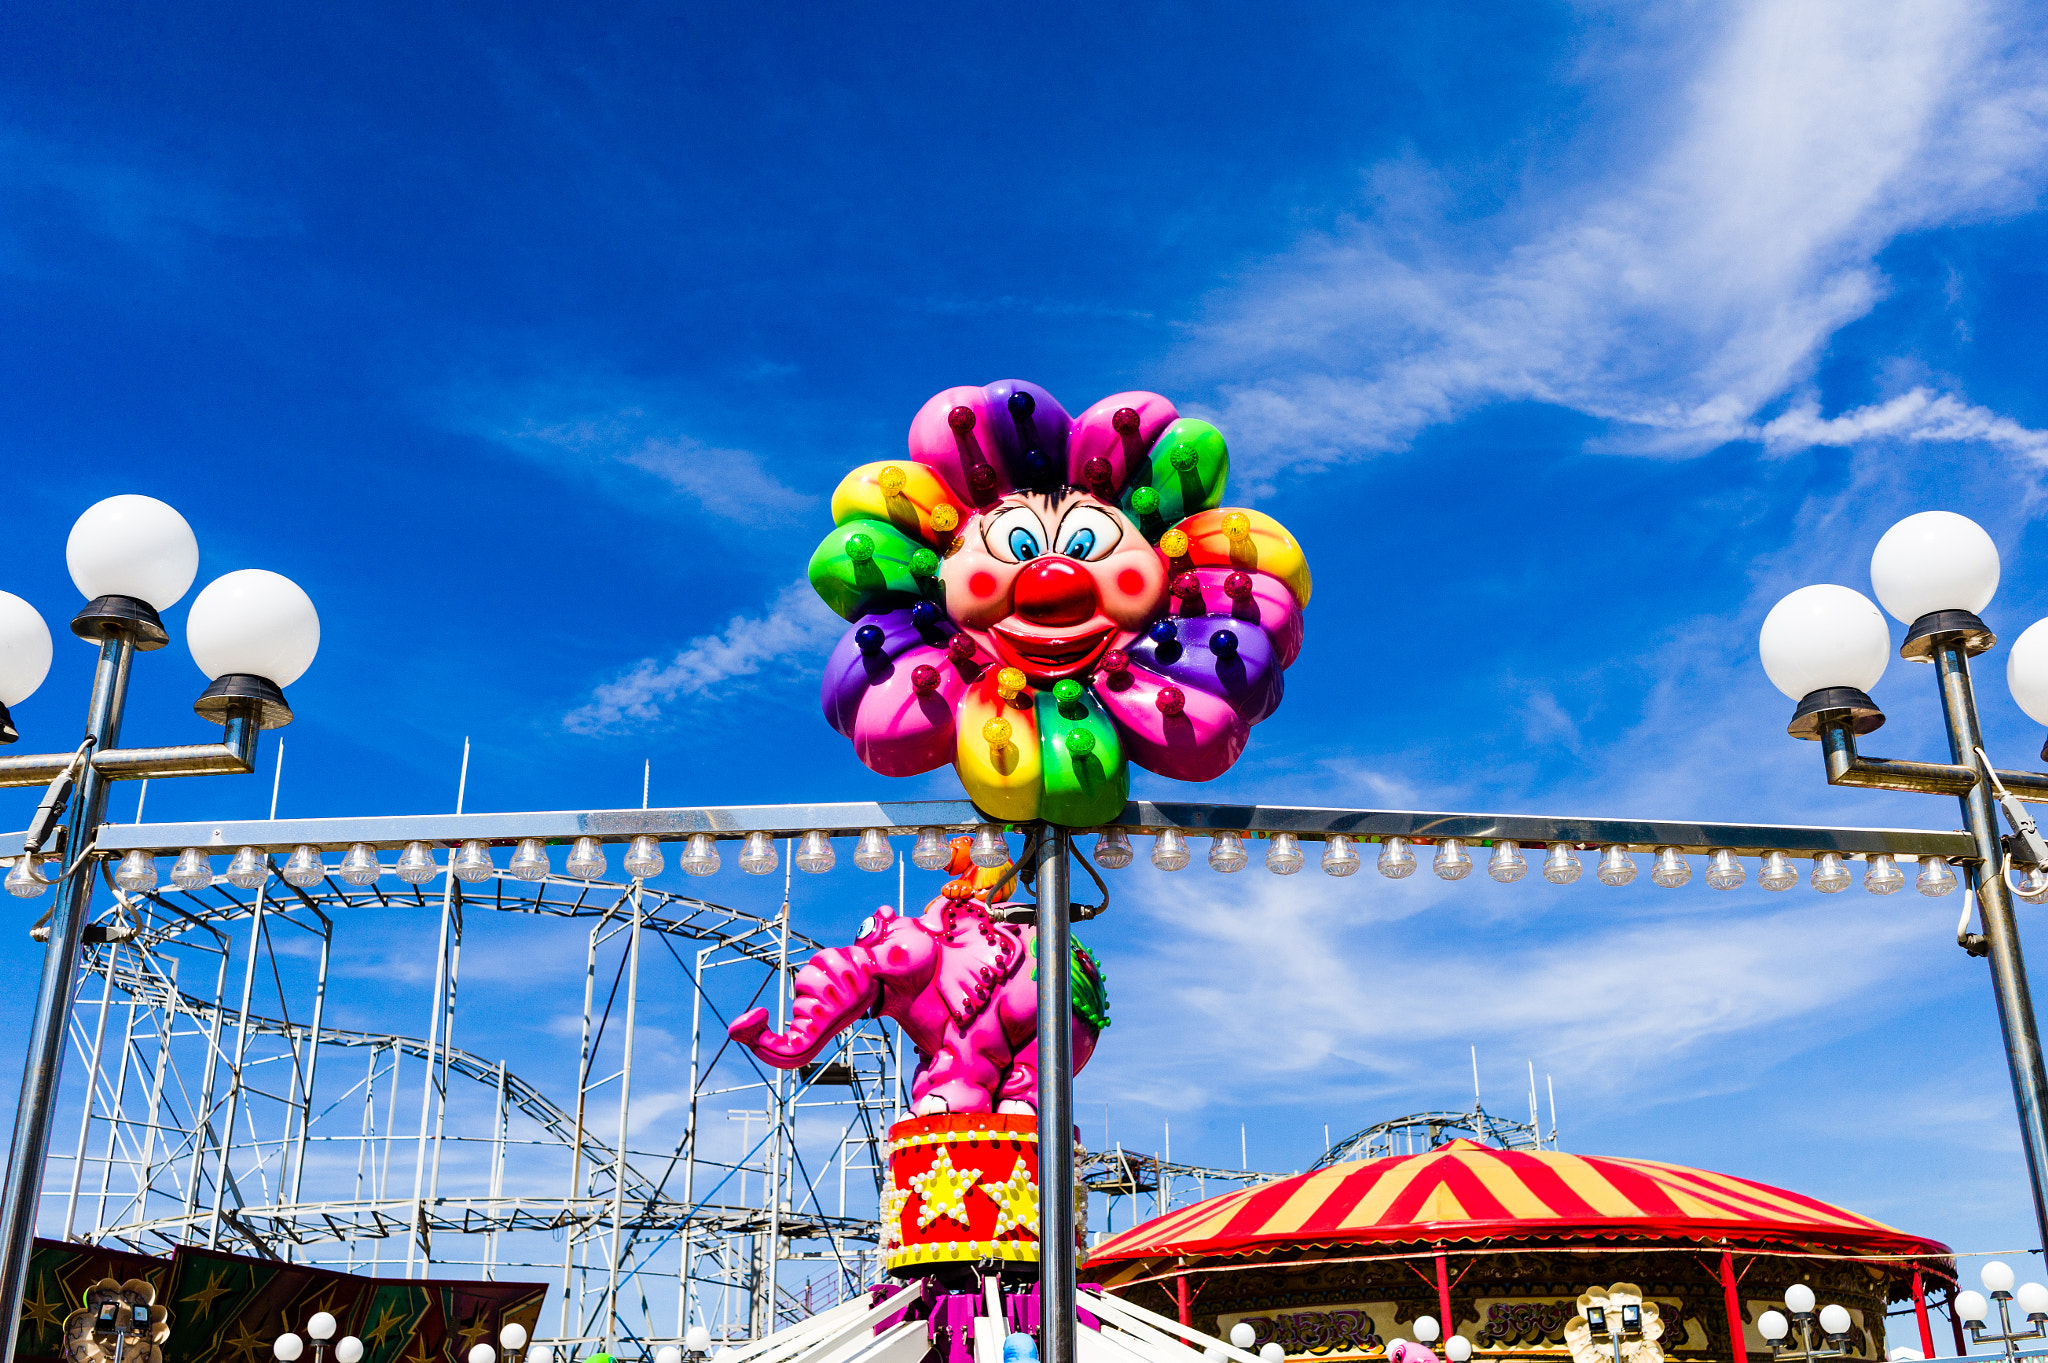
833	990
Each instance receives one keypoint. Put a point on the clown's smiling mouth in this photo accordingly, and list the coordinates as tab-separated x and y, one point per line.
1041	656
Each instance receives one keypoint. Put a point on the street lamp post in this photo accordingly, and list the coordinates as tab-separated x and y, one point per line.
1833	1320
2032	1297
1826	646
289	1348
253	633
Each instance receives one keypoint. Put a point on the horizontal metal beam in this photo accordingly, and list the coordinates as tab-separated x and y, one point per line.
902	817
234	755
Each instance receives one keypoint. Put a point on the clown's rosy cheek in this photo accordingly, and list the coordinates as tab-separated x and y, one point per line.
1130	582
982	584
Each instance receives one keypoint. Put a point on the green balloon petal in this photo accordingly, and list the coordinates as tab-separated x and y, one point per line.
863	566
1186	473
1087	779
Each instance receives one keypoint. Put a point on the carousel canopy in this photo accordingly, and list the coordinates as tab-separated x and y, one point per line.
1465	1191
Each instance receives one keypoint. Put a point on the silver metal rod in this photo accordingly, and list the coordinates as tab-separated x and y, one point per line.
419	1161
690	1136
92	1088
1994	905
44	1064
1055	1103
846	820
234	755
237	1071
618	1207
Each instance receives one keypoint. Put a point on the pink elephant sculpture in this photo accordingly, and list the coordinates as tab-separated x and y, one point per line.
961	984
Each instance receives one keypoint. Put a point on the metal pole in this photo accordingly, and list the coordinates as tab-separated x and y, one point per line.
618	1207
227	1138
419	1160
1994	906
44	1064
690	1139
92	1088
1055	1103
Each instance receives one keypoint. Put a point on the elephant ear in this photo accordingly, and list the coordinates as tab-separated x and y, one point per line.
971	965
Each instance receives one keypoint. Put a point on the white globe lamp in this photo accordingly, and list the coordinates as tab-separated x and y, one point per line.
1242	1336
1773	1326
1426	1329
1799	1299
348	1349
1971	1306
1458	1349
1834	1319
253	633
1997	1276
481	1352
321	1326
288	1346
1825	647
698	1339
2033	1300
24	657
668	1353
1935	561
133	546
513	1336
2026	672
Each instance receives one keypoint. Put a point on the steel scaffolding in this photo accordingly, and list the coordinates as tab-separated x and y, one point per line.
212	1101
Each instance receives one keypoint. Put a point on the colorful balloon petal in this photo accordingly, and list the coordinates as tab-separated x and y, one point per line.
1031	433
1256	599
1087	780
954	434
905	721
860	659
902	493
1224	657
997	752
1119	448
1185	474
867	566
1264	546
1196	737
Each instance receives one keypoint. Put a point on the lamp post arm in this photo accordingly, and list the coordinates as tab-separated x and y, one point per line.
1847	767
234	755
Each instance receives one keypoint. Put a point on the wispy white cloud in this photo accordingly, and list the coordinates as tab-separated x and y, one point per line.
1919	416
1690	293
729	483
796	625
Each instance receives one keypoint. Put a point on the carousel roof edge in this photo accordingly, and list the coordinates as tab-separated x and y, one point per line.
1876	1248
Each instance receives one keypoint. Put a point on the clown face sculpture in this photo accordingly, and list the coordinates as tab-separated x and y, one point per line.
1041	600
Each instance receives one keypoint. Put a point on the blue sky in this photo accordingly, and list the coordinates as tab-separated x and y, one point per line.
1565	338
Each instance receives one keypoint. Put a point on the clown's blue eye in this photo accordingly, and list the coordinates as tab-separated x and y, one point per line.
1080	544
1088	533
1023	544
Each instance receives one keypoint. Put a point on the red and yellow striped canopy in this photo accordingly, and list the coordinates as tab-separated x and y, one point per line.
1466	1191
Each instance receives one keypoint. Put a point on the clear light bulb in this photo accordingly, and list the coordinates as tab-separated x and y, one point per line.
303	867
1936	877
1778	872
1671	869
416	864
1562	866
1397	858
192	870
990	848
1617	867
1226	852
1170	849
2032	887
248	869
359	866
814	853
1340	856
586	859
138	872
1283	854
700	855
1452	861
473	862
932	851
530	859
1724	869
872	851
1112	849
643	858
23	882
757	854
1507	865
1830	875
1883	875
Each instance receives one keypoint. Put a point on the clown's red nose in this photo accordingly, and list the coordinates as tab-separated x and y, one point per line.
1055	591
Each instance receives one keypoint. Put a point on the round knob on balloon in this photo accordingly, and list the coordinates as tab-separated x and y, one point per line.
860	547
1125	422
924	563
1037	464
1009	682
961	647
981	480
961	418
870	638
1174	544
1237	526
924	679
1186	584
1163	631
1022	403
1080	743
996	732
1145	501
925	614
1116	662
945	516
891	480
1223	641
1170	700
1238	586
1067	691
1182	459
1096	471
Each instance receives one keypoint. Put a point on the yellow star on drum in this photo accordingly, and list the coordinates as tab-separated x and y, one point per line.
1016	1199
943	1189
